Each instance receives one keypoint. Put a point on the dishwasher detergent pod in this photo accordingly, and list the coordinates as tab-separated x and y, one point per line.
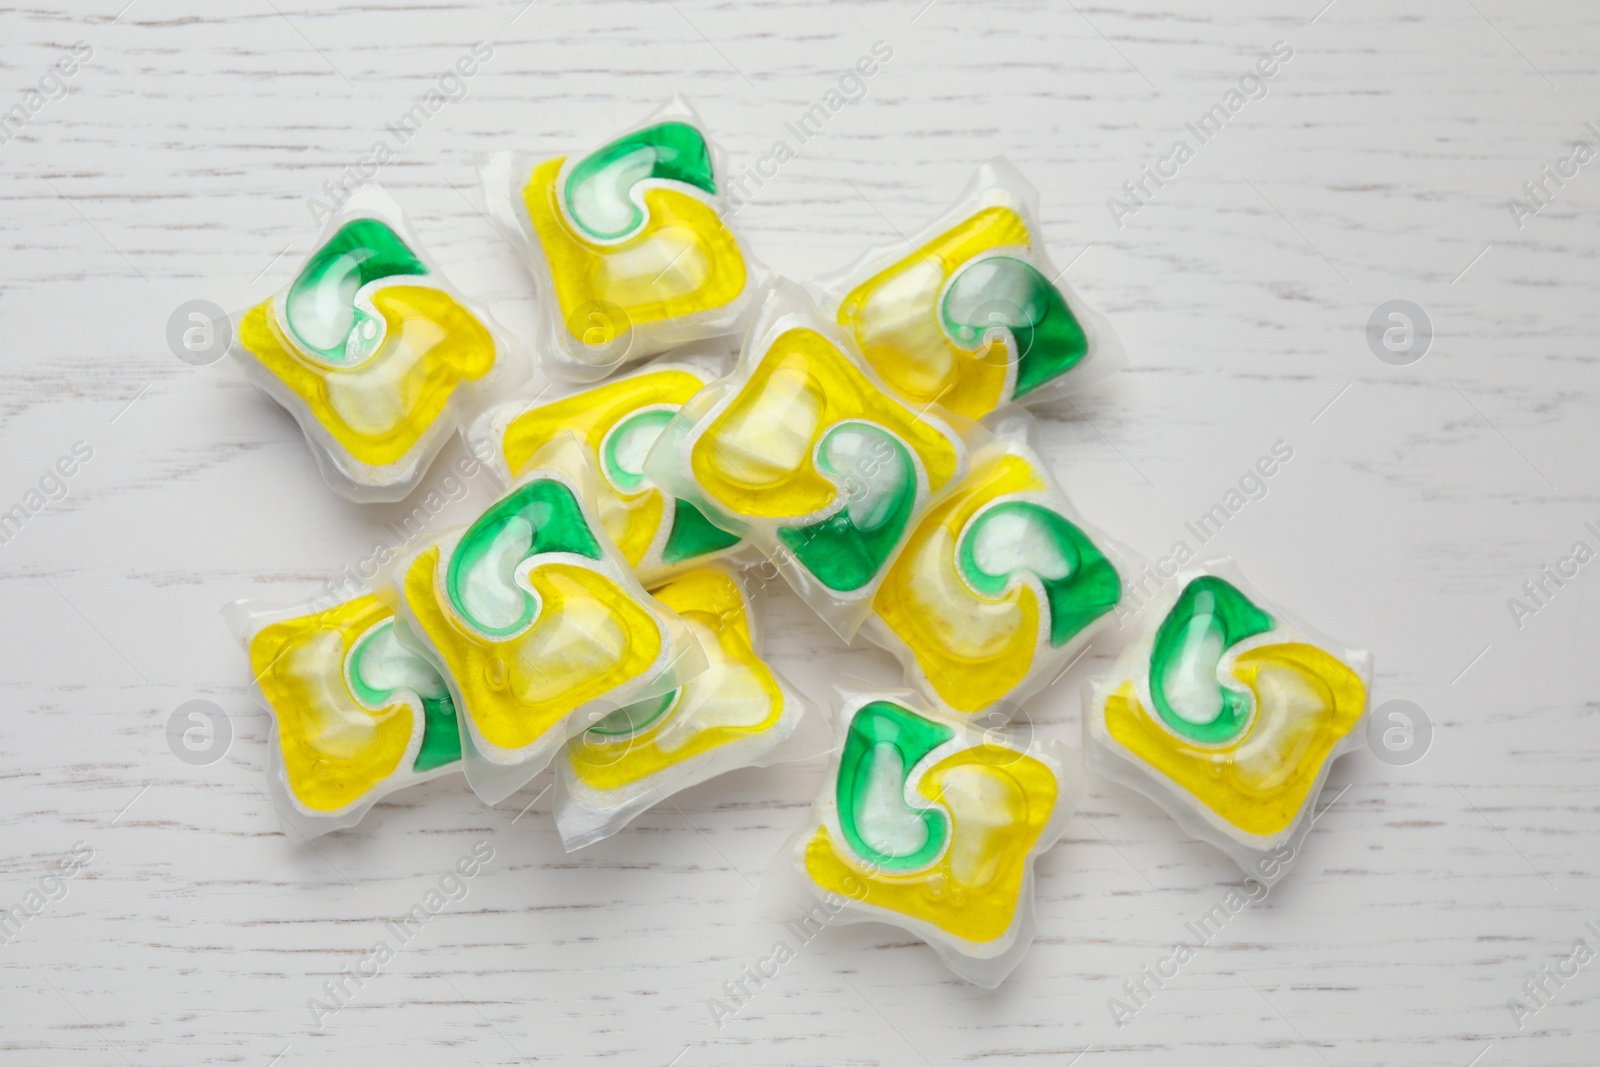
372	352
356	715
536	622
631	243
974	316
1229	713
802	453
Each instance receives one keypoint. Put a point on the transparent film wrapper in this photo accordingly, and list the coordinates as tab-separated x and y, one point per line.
372	352
974	316
927	823
356	715
617	421
1228	713
805	455
739	712
1002	584
536	622
631	243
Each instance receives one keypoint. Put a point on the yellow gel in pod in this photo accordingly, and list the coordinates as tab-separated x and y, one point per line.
379	409
756	456
680	260
1306	700
350	703
590	636
735	698
531	615
991	582
620	420
895	318
958	857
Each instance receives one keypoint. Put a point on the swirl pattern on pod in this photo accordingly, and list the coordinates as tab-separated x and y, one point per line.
620	420
527	616
351	703
365	341
320	310
1210	617
600	191
1245	731
992	580
810	445
883	744
630	226
966	321
927	822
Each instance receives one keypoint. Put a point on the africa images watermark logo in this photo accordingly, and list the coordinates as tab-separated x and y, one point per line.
753	977
1253	485
1142	987
51	488
1252	85
51	86
452	887
449	87
1538	591
1539	192
1542	987
49	889
849	89
452	486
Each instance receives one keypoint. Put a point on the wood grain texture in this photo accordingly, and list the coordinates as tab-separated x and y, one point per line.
1419	500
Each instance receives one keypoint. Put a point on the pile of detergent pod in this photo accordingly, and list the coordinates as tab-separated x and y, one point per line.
870	443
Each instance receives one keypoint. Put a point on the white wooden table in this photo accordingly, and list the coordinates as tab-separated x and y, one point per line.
1420	498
